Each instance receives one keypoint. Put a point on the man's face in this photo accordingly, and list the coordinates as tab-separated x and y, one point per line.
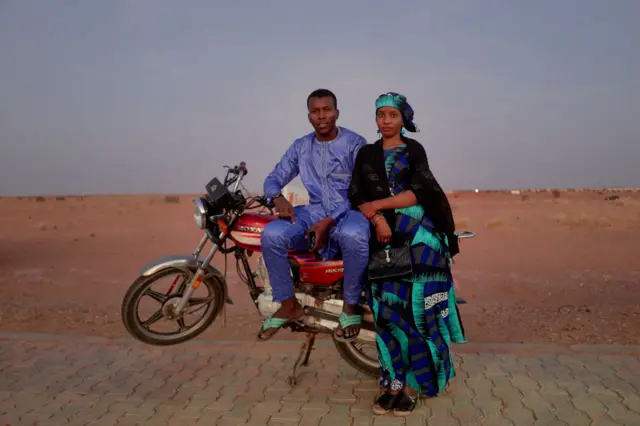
323	114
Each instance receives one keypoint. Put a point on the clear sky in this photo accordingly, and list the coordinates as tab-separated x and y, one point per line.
118	96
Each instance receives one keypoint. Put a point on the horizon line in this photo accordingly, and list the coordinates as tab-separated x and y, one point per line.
454	191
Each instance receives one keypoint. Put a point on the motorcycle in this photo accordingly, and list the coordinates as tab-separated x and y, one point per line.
225	215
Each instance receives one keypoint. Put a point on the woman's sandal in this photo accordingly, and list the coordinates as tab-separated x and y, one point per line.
405	405
348	321
385	403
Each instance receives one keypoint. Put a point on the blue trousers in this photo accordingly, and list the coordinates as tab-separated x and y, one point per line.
350	235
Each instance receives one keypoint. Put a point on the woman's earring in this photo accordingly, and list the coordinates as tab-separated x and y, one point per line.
403	131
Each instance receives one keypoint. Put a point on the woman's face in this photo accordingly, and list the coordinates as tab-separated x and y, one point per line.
389	121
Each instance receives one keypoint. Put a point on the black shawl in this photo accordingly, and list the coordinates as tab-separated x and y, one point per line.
369	183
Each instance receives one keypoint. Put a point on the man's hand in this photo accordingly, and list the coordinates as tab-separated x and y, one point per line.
383	230
369	209
321	230
284	209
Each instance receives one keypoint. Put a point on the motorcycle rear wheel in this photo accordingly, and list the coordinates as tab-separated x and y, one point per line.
140	287
352	353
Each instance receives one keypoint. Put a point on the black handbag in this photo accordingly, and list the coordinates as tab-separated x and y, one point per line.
388	263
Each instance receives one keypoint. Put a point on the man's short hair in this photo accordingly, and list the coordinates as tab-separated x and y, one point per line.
323	93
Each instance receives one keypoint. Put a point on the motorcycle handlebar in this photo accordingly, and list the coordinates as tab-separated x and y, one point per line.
263	201
235	175
242	168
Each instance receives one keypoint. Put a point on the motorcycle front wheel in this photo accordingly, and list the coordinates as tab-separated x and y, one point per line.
140	328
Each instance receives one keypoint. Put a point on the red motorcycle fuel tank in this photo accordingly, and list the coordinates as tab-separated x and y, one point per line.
247	231
248	228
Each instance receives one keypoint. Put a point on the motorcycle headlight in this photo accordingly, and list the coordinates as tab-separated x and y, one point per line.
200	213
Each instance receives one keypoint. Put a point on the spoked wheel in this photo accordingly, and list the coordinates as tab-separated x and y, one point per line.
361	355
161	326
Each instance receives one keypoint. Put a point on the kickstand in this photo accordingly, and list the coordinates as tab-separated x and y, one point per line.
224	315
305	351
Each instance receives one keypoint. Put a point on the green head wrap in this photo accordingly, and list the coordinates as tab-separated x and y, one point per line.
398	101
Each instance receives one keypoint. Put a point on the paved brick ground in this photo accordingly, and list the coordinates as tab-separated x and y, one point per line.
49	380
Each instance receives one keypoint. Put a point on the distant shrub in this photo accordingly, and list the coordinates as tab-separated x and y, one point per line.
584	220
172	199
462	223
627	202
496	223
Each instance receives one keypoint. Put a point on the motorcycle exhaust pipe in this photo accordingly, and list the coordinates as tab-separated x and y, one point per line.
320	314
318	318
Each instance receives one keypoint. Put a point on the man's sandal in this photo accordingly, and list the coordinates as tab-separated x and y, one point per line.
346	321
277	323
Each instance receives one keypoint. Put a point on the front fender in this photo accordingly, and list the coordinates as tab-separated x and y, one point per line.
185	262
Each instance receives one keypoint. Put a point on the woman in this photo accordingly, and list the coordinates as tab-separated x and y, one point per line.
415	312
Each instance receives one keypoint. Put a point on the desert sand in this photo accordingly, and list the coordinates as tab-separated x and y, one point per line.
544	268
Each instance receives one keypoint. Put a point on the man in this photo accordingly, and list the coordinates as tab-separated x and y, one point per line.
324	160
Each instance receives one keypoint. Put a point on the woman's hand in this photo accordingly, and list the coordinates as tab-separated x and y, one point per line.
383	230
369	210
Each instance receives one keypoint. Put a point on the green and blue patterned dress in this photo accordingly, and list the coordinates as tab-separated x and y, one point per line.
417	319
